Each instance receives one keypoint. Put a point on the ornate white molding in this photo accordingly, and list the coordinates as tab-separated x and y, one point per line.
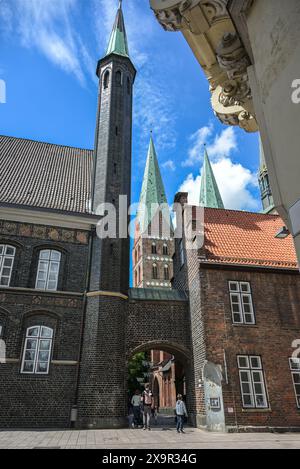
211	34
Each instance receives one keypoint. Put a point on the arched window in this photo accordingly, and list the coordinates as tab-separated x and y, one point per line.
139	275
154	272
154	249
119	78
106	80
165	250
166	273
136	278
139	252
48	270
7	256
128	86
37	350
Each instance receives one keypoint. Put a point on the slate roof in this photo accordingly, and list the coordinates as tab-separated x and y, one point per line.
245	238
157	294
44	175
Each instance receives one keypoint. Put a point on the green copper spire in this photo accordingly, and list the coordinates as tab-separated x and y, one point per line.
118	40
153	191
209	193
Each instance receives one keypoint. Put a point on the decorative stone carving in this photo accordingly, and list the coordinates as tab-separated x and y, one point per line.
208	28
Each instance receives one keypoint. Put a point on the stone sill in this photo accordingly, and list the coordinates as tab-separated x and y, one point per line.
255	411
34	291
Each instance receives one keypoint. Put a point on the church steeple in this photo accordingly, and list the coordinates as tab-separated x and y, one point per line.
118	39
153	191
209	193
264	183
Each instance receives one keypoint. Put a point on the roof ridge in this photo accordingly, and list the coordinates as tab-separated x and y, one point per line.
274	215
46	143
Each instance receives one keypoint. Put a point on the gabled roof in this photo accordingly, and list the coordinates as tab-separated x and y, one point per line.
153	192
209	192
44	175
118	39
245	238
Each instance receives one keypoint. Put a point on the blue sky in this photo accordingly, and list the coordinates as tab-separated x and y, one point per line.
48	55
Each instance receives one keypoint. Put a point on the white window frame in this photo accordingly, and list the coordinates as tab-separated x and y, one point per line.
50	263
39	338
4	257
242	291
251	370
295	371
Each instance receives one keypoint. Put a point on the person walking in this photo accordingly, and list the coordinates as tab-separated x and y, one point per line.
136	407
148	404
181	413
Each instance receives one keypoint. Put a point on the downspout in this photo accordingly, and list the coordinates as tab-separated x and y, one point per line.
74	412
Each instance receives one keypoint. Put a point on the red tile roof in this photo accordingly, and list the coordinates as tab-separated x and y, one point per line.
245	238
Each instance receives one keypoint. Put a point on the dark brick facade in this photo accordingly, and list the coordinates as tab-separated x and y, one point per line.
41	400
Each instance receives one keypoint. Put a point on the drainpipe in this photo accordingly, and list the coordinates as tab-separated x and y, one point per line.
74	411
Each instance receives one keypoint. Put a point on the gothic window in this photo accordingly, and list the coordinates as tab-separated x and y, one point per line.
37	350
165	250
166	273
136	278
241	303
106	80
252	382
119	78
154	272
139	275
7	256
48	270
154	249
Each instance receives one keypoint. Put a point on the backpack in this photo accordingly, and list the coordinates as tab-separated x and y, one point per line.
147	397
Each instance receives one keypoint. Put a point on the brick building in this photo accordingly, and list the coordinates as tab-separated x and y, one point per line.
70	322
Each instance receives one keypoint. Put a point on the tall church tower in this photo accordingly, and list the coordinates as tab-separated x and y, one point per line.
209	192
113	141
102	388
264	183
153	244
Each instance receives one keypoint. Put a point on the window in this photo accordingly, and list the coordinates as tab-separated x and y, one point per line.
136	278
154	250
181	253
1	330
252	382
106	80
139	275
119	78
128	86
154	272
241	303
295	369
37	350
7	256
165	250
48	270
166	273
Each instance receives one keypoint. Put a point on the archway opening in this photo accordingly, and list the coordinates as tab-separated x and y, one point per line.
166	368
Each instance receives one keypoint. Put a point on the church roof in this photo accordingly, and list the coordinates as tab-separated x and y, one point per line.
153	191
44	175
245	238
209	192
262	158
118	39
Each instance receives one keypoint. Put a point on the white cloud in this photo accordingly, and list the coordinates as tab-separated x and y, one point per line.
169	165
46	25
233	179
221	146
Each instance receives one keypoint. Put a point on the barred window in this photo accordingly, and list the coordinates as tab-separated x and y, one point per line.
241	303
37	350
7	256
48	270
252	382
295	369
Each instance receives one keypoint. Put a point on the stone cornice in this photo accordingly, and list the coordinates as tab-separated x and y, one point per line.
208	28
